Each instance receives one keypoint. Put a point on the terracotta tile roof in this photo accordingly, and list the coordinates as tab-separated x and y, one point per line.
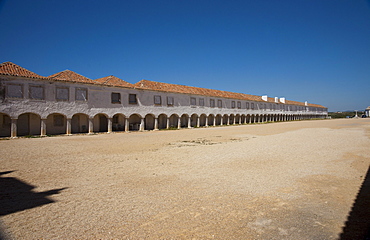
9	68
114	81
70	76
167	87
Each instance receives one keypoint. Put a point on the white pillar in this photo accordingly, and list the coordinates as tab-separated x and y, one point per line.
127	125
91	125
69	126
189	122
167	123
142	125
214	121
156	124
109	125
178	123
43	127
13	128
206	121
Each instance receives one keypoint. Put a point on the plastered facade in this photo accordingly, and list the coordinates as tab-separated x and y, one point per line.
31	106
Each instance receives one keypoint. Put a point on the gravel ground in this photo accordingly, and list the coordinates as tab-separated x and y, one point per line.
288	180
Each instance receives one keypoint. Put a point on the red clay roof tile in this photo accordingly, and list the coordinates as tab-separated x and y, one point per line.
9	68
113	81
70	76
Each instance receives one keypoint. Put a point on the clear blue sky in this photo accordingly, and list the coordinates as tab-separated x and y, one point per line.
305	50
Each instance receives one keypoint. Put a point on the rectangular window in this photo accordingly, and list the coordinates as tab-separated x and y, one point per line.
201	101
247	105
157	100
239	105
233	104
58	120
252	106
219	103
81	94
212	103
36	92
170	101
193	101
14	91
62	93
132	99
116	97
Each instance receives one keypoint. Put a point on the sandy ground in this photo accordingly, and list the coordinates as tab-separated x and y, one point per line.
291	180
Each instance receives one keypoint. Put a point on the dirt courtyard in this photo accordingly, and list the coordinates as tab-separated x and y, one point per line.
287	180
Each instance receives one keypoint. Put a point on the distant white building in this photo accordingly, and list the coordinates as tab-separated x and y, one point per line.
367	111
67	103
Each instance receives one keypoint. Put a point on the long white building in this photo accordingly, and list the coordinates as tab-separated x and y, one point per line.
67	103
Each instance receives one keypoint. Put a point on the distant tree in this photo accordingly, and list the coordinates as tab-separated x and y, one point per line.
345	114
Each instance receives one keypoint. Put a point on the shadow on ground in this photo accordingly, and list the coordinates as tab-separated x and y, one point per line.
358	222
16	195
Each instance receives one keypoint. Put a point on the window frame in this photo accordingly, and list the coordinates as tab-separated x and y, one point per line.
56	94
80	89
30	93
130	96
212	103
115	94
201	102
193	101
170	101
232	104
157	99
239	105
14	84
219	103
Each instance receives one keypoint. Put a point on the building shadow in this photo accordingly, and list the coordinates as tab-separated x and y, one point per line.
16	195
358	222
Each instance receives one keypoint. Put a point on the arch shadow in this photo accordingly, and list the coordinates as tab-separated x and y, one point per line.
17	195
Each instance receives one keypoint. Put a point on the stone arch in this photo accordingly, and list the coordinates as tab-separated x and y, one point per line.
100	121
149	121
253	118
28	124
174	121
231	119
237	119
211	120
184	121
80	123
56	123
194	120
134	122
225	119
118	122
203	120
243	119
249	118
162	121
218	119
5	125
